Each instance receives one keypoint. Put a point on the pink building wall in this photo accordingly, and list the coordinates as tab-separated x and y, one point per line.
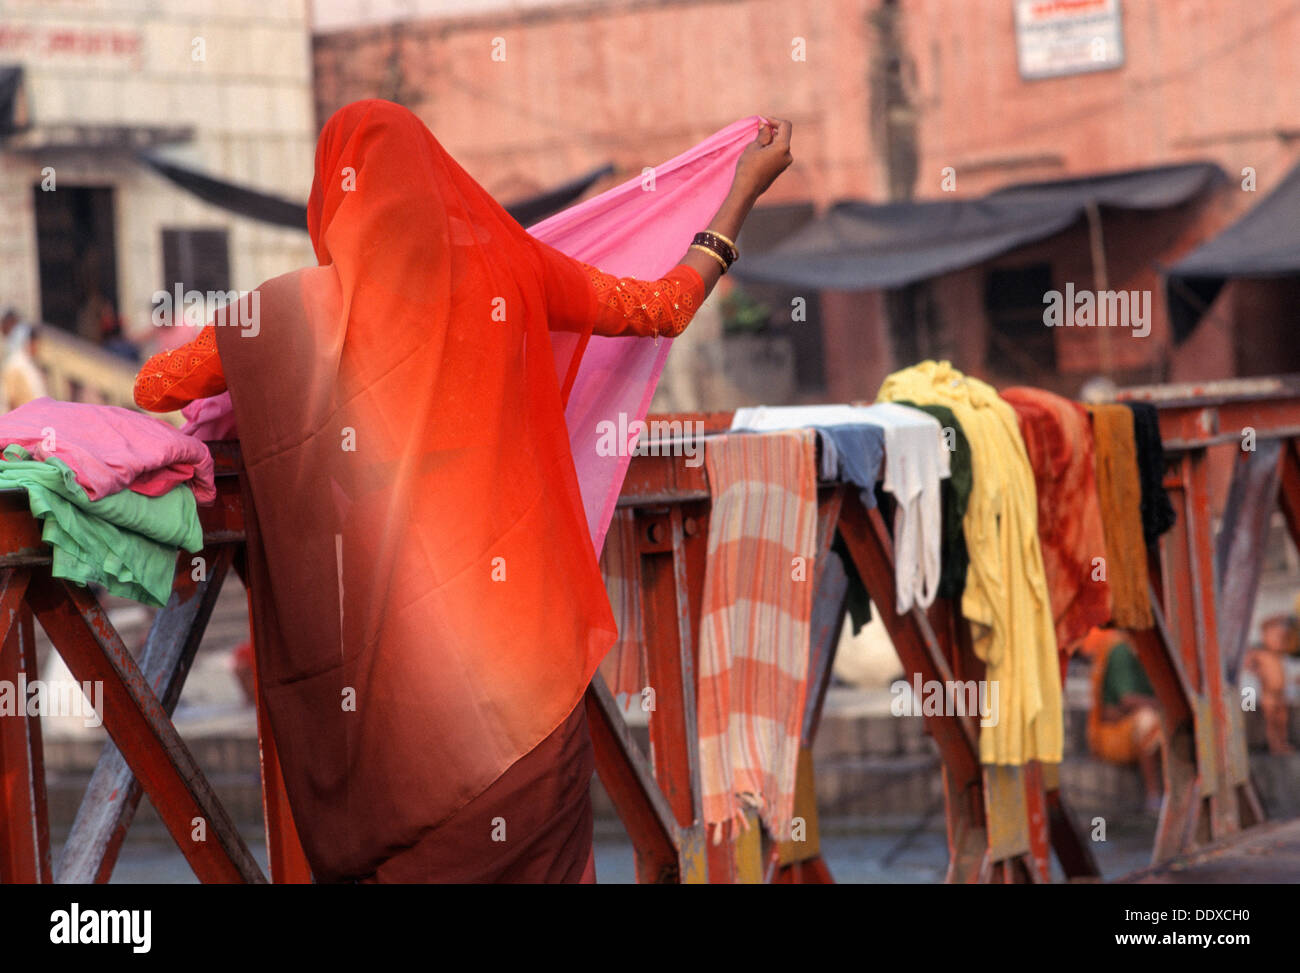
635	82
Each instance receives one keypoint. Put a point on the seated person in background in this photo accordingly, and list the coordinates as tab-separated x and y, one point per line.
1124	722
1278	638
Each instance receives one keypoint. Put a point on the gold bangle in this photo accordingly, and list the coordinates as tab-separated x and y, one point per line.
730	243
721	263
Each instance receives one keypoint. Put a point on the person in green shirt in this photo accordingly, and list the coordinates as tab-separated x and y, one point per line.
1124	723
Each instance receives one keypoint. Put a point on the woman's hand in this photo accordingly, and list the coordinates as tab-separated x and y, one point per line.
757	168
763	159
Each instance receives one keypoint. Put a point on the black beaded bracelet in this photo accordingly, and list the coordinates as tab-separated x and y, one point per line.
717	245
728	246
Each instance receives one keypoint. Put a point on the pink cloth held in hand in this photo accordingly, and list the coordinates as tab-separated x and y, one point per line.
639	230
111	449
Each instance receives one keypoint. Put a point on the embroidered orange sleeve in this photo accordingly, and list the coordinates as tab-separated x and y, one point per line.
628	306
172	379
625	306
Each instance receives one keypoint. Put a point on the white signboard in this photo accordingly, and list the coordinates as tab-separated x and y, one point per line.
1060	37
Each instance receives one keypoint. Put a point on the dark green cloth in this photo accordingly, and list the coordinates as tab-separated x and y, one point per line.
1157	512
955	494
857	601
1124	675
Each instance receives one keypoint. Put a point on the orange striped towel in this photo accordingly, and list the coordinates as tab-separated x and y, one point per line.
754	627
624	666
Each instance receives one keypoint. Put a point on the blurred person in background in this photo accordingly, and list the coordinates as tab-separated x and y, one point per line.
96	317
1279	637
20	379
1124	720
114	340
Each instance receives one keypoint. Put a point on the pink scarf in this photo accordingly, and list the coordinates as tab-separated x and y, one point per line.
633	231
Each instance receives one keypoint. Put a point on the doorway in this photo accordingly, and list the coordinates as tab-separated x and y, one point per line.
77	259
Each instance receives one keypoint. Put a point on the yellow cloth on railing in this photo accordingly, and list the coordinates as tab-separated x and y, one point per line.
1006	595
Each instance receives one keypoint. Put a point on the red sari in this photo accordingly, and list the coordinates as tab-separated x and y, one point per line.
427	606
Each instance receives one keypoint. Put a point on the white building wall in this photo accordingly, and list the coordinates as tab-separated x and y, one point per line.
18	283
136	62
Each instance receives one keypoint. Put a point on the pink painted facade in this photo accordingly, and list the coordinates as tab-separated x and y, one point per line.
884	96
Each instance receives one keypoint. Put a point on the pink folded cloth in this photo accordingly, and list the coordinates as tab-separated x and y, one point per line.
111	449
210	419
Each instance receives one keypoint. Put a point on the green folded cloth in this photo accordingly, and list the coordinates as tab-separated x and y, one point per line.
126	542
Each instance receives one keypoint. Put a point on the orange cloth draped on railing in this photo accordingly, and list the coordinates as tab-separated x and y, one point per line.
624	668
755	624
1119	489
1058	439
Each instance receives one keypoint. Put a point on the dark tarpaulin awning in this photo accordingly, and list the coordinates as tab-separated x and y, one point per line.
234	199
1263	243
536	208
866	246
279	211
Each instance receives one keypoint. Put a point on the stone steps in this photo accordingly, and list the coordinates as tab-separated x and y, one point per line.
873	771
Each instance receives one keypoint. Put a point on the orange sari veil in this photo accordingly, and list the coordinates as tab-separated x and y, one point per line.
427	605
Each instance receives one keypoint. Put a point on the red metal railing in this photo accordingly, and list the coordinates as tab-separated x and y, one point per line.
1002	823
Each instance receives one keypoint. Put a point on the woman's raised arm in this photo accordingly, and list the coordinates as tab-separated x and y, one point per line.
581	297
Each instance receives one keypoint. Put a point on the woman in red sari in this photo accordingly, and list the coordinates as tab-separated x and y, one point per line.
428	608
